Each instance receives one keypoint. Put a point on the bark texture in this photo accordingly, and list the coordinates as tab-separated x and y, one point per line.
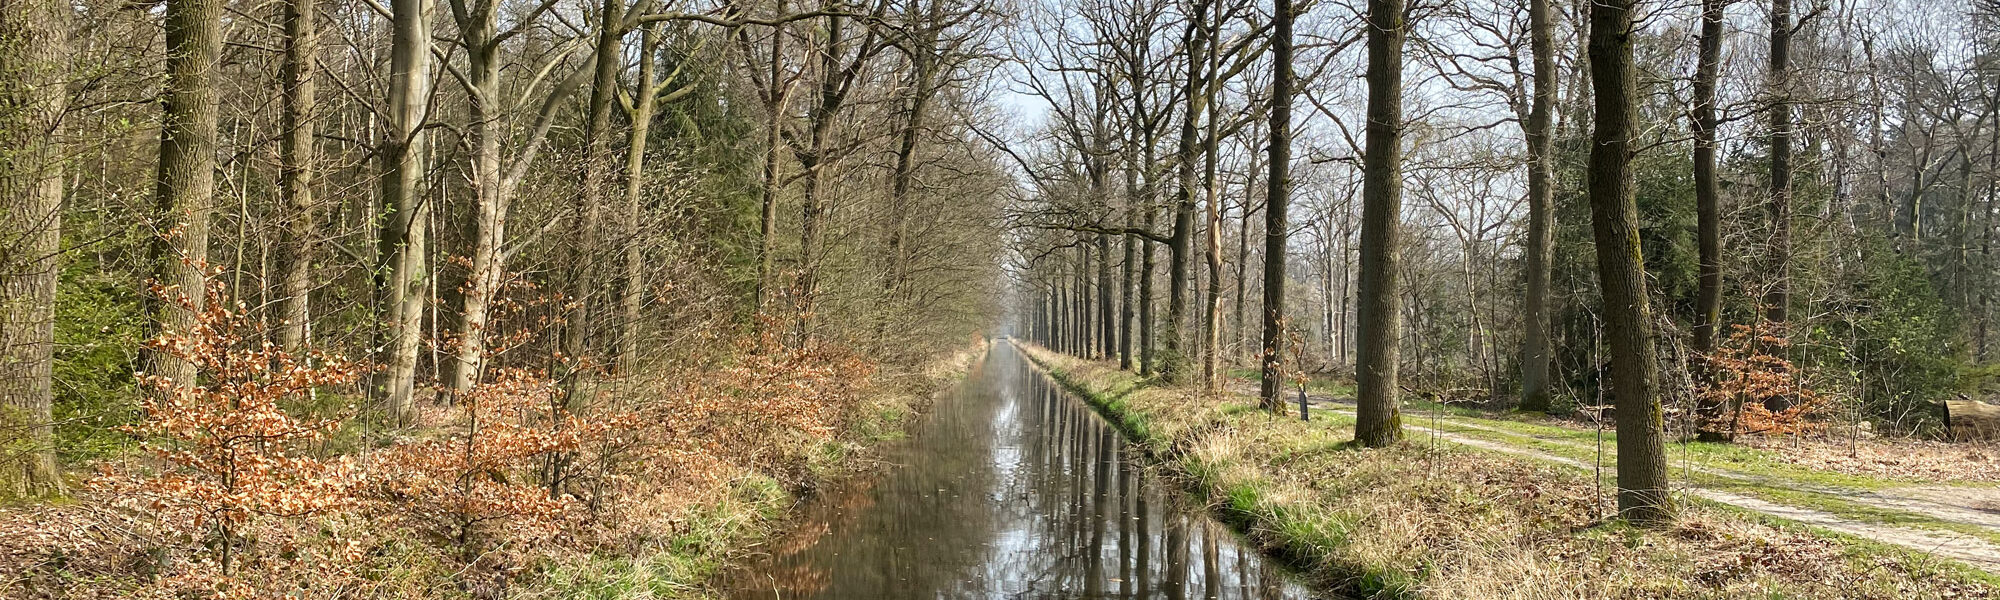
184	192
33	63
1277	200
1539	255
1643	495
1378	420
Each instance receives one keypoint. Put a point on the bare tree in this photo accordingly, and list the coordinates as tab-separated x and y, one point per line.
295	182
1707	196
1539	253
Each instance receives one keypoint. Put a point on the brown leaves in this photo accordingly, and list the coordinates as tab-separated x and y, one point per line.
473	484
245	497
1749	370
233	452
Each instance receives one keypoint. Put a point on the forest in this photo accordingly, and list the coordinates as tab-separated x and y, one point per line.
617	298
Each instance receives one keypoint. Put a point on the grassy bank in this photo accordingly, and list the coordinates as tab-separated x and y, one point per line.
1441	521
741	511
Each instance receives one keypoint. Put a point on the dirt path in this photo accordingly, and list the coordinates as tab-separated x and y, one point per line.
1973	507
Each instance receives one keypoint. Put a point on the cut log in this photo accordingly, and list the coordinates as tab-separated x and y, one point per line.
1971	420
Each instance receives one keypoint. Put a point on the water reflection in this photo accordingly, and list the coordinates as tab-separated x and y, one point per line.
1010	489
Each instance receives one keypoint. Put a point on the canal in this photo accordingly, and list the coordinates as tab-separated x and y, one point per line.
1010	488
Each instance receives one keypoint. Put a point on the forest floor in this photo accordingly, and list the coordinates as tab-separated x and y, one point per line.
1476	506
1942	499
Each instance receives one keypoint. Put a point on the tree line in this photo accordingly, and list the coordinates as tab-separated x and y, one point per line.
1704	218
599	191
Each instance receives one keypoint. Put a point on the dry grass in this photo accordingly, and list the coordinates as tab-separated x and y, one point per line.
1891	458
1420	522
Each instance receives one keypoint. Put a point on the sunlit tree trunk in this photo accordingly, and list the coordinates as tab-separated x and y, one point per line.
1539	255
633	295
1148	326
1778	298
581	323
925	63
774	95
489	230
1778	265
1173	357
1126	267
295	179
185	190
1708	209
1107	318
494	181
404	239
1211	313
34	61
1378	419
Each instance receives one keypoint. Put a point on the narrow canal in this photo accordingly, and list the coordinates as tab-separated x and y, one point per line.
1011	488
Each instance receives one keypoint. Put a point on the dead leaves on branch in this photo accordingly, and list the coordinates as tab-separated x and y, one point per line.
1749	373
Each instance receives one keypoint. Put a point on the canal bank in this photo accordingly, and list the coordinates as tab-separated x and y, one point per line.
1435	519
734	517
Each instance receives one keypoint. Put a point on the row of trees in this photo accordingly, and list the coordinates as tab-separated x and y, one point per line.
1531	203
594	189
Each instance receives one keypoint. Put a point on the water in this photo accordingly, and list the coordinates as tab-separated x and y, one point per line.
1011	488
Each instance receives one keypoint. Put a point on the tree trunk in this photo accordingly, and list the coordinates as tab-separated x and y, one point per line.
633	296
1778	266
923	73
1211	314
1240	340
1126	274
1277	199
404	239
774	107
34	61
1708	210
1378	418
1107	319
185	192
1147	324
489	131
1086	323
1173	359
493	181
1539	255
295	180
1643	495
1778	299
597	166
815	157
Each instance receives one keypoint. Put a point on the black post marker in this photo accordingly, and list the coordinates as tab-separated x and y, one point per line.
1302	404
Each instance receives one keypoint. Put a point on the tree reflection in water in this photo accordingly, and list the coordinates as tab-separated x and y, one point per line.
1011	488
